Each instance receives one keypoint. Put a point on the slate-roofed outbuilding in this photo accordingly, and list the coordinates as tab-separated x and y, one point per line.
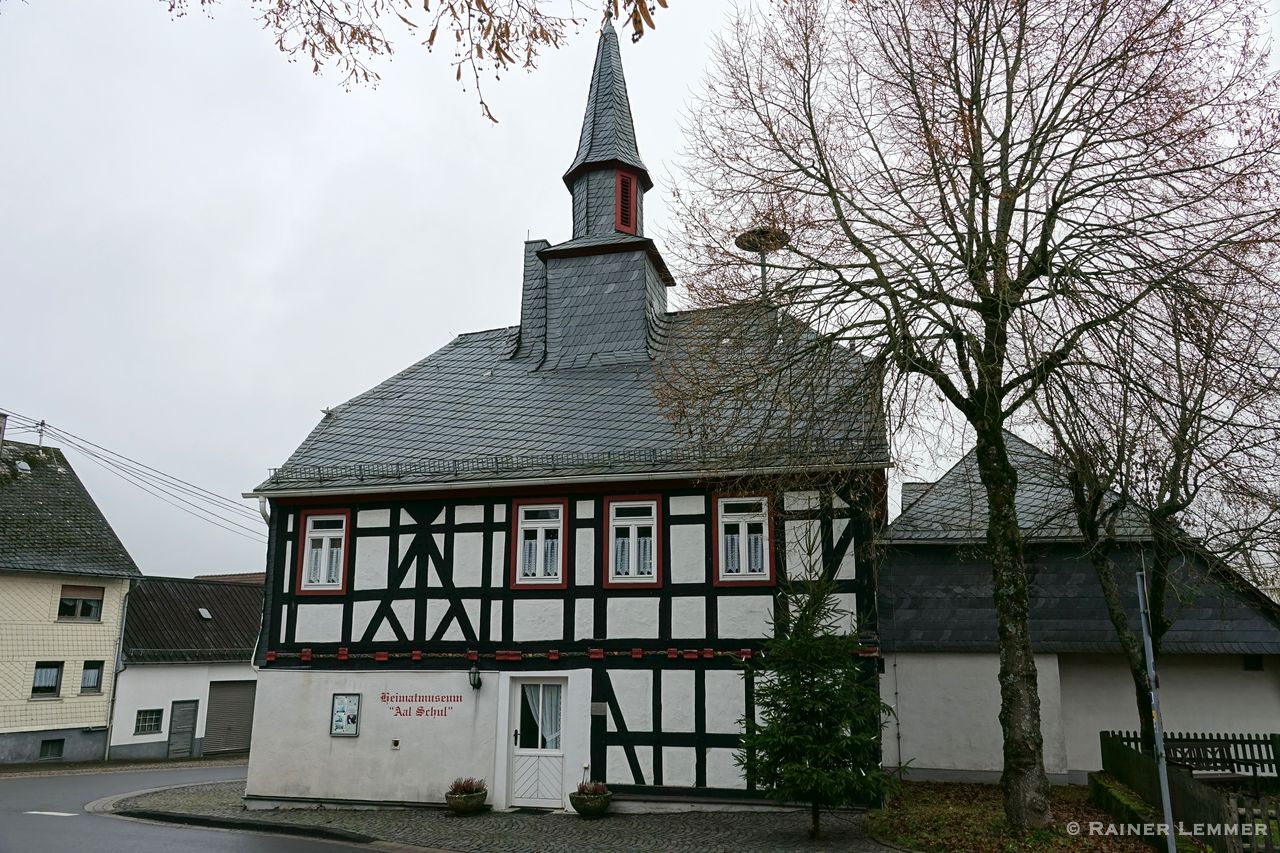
574	390
164	622
954	508
49	522
935	586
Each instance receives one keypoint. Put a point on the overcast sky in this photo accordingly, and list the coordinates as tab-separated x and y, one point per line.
202	245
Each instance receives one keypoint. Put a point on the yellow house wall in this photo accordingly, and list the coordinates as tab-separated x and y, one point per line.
30	632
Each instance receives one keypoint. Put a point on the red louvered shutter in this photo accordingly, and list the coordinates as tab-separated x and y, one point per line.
625	203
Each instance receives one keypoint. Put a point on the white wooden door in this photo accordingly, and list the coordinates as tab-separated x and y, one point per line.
537	757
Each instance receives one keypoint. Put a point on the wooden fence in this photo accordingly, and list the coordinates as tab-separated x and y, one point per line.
1192	802
1258	812
1245	754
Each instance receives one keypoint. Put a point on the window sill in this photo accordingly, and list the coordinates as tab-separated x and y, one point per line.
745	580
79	619
89	693
44	698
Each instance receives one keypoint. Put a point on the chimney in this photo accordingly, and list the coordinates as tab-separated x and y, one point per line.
533	304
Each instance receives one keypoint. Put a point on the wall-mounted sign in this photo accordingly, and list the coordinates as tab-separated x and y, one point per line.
344	721
421	704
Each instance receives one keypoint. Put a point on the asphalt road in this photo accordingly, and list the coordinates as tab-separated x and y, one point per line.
78	832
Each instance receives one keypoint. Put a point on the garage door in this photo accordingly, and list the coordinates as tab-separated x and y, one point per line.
230	717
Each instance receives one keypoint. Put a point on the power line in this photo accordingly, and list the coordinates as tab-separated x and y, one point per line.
117	473
212	507
212	496
140	481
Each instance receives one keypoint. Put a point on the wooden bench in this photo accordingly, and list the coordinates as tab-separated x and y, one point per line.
1229	755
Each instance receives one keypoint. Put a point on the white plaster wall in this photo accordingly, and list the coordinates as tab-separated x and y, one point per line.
947	712
633	618
726	701
140	687
745	616
294	756
537	619
803	548
634	691
584	558
688	505
1199	693
688	553
321	623
372	553
373	518
688	617
468	558
677	700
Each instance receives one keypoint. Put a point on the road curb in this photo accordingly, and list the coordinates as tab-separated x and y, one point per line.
274	827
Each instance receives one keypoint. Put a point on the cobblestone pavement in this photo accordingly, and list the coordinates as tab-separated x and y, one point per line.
772	831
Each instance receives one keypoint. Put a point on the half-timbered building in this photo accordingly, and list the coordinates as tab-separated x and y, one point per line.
510	560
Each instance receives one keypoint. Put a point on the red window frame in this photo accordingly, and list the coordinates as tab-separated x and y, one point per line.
514	549
770	576
607	543
300	544
624	214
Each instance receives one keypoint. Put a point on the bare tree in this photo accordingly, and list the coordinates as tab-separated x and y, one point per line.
1170	444
486	37
972	188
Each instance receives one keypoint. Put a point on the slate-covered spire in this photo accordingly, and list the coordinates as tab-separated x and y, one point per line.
608	138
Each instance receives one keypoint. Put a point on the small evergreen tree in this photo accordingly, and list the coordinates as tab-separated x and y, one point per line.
818	737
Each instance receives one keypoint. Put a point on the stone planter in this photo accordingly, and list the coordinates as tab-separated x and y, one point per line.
590	805
465	804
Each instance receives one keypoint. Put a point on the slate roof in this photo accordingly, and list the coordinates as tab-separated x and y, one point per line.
48	521
600	244
954	508
608	132
937	597
934	588
163	622
470	412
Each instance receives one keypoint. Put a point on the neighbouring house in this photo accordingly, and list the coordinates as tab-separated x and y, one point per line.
186	683
64	576
1219	666
258	578
506	562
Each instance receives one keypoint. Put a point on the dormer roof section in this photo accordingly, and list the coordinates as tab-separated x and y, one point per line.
608	138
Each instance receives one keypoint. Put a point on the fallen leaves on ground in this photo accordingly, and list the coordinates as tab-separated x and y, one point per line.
966	818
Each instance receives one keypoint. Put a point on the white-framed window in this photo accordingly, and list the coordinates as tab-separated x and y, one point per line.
324	553
744	538
633	541
539	538
148	721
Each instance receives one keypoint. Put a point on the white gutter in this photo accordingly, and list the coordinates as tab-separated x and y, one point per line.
459	485
118	667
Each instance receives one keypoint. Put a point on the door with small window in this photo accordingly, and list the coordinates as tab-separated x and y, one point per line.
537	755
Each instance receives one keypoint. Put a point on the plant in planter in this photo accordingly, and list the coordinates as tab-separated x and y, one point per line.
592	798
466	796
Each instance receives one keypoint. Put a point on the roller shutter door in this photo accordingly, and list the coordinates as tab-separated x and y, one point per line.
230	717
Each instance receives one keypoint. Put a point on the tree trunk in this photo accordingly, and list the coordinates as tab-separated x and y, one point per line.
1024	783
1130	640
815	815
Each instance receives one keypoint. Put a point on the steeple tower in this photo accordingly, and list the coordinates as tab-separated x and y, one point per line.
607	178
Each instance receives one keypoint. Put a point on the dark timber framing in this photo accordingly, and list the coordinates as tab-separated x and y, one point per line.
431	522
